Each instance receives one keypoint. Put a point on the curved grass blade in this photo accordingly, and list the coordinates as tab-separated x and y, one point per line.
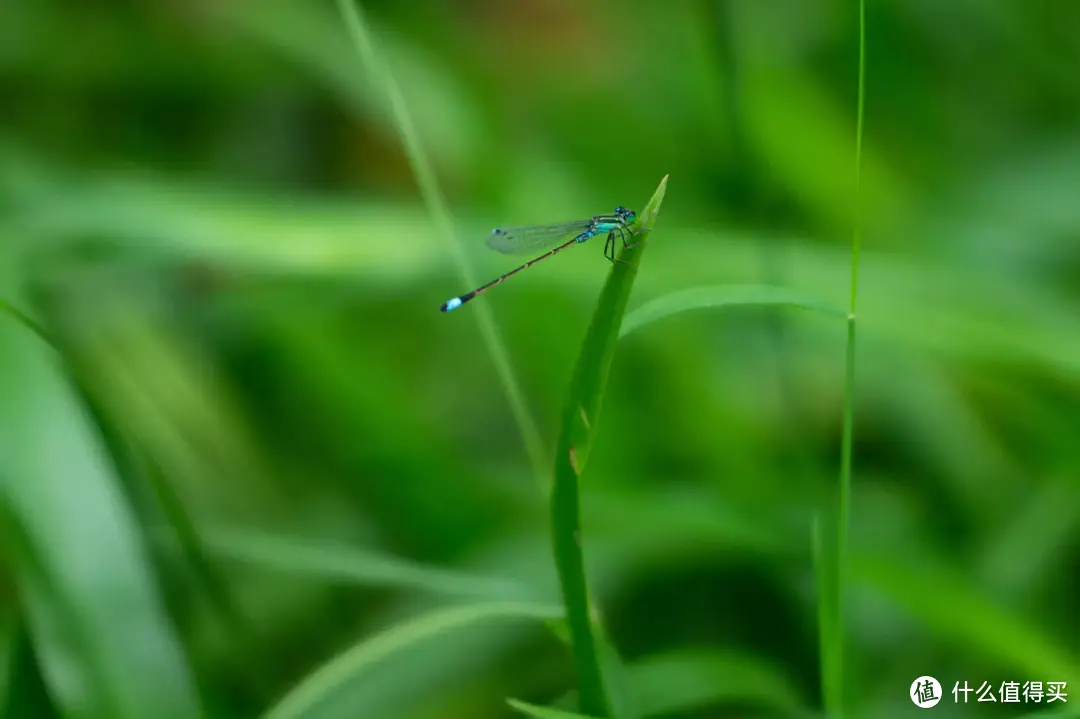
337	562
624	701
103	641
955	610
533	238
531	710
578	430
688	680
698	298
353	663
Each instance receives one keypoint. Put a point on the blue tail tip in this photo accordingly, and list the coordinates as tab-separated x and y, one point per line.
450	305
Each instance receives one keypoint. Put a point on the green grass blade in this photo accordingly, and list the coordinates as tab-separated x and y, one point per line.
682	681
531	710
352	664
437	205
579	425
685	680
337	562
959	612
697	298
832	603
104	643
624	701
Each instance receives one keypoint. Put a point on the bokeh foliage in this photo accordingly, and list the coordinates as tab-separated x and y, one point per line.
245	442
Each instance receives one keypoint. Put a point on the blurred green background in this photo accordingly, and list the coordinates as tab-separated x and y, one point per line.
250	441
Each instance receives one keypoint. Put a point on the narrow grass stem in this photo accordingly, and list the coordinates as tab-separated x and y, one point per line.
437	205
834	684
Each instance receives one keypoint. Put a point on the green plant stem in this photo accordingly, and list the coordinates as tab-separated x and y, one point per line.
570	562
856	233
834	689
437	205
577	432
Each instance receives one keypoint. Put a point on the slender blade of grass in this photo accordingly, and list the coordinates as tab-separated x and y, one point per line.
579	426
697	298
531	710
685	680
334	561
437	205
103	641
682	681
957	611
352	664
832	603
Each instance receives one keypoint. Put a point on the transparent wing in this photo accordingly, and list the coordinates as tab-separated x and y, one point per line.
534	238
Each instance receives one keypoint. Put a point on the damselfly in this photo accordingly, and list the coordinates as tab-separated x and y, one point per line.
533	238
